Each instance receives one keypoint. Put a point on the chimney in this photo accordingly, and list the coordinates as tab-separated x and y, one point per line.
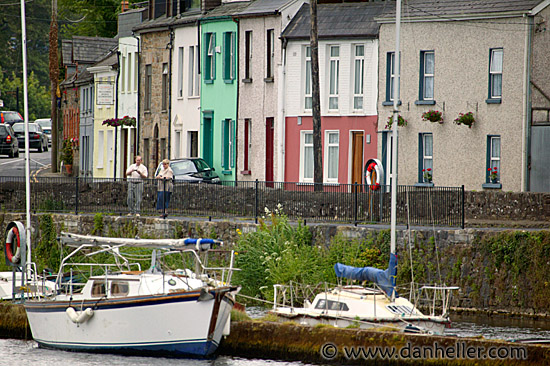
123	6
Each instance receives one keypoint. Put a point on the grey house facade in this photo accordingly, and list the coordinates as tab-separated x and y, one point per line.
487	58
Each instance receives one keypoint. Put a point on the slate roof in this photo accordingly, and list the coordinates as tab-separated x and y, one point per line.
67	51
91	49
342	20
187	18
443	9
264	7
161	22
227	10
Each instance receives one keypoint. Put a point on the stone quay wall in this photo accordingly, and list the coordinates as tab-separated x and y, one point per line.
491	274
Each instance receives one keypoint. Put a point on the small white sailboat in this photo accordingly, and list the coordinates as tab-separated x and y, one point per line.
115	307
363	307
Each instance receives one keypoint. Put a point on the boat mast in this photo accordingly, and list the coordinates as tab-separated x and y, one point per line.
26	117
397	73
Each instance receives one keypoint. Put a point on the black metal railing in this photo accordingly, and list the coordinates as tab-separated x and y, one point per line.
347	203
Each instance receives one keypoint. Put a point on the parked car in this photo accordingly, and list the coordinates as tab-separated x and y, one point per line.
37	138
10	117
193	170
8	141
46	124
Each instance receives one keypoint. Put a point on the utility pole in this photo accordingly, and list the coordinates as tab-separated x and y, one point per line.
316	101
54	77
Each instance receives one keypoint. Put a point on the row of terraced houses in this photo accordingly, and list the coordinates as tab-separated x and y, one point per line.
230	81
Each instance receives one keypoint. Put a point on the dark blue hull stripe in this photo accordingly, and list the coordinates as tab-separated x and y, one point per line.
194	347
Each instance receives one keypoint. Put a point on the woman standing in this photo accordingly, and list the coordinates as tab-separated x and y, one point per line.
164	190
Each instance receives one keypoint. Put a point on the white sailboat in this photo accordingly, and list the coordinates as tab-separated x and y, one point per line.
364	307
114	306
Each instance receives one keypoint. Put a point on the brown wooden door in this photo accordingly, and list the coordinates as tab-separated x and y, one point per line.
357	158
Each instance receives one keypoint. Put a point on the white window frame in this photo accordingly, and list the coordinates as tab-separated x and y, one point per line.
180	71
136	69
358	80
327	158
270	56
495	70
334	76
391	75
123	74
303	157
495	160
426	75
248	54
191	79
165	92
308	96
427	158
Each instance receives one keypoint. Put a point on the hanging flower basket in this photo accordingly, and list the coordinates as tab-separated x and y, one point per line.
124	121
400	122
465	119
433	116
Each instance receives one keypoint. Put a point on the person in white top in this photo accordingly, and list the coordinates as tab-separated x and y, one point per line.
164	187
136	173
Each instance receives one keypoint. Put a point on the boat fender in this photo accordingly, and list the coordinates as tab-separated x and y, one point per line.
79	317
13	240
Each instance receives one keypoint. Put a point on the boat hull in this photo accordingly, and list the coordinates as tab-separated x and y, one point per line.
180	324
435	325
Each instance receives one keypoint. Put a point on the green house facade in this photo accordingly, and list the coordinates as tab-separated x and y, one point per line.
219	89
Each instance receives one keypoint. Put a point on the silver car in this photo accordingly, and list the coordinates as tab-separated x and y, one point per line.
46	124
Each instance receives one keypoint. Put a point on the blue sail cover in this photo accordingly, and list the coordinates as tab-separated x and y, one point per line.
384	279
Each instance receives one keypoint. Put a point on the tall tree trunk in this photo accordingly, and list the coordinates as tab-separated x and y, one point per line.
54	77
316	108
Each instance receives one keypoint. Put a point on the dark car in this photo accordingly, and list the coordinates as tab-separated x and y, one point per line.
10	117
193	170
37	138
8	141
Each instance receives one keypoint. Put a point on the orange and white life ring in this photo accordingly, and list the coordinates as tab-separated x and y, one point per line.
373	176
15	236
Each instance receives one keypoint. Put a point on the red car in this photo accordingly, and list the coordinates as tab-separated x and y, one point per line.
10	117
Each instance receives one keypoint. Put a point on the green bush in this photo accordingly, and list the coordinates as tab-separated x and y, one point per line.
279	253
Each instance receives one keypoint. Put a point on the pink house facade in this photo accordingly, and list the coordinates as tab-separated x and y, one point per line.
348	68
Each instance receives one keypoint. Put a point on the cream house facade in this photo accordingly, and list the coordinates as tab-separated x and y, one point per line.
185	87
462	59
104	108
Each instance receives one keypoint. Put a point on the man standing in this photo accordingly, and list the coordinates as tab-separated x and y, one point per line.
136	173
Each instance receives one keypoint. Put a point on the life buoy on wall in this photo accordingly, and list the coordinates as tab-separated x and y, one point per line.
374	174
15	237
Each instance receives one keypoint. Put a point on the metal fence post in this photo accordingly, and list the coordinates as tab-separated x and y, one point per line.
76	196
355	204
463	195
163	199
256	202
